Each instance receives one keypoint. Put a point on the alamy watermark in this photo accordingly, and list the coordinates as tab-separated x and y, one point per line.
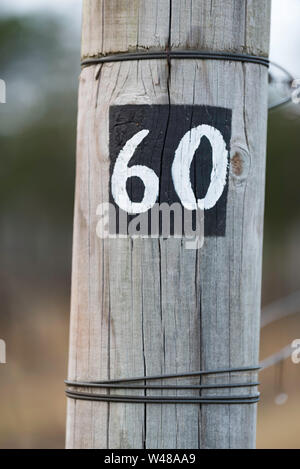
2	342
296	353
2	92
2	352
296	91
161	221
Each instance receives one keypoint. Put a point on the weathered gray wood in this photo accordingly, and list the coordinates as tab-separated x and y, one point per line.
148	306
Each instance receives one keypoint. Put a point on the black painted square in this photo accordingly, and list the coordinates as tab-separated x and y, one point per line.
167	125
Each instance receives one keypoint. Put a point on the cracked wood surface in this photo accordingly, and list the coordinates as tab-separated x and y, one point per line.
148	306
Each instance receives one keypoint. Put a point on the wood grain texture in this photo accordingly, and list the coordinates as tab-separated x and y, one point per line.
148	306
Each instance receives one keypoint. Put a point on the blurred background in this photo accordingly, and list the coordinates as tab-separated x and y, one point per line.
40	55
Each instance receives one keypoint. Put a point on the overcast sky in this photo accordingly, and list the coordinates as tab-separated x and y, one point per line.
285	37
70	7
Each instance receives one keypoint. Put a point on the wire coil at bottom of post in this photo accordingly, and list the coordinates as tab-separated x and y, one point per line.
145	399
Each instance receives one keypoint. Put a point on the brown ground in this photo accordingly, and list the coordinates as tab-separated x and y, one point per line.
32	404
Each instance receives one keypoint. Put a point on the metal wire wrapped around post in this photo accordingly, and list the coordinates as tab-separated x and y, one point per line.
177	54
124	385
200	55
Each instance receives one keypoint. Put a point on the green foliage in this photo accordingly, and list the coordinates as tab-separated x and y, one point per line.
283	169
27	37
37	164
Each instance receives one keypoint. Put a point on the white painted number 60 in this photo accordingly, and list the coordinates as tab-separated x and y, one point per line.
180	172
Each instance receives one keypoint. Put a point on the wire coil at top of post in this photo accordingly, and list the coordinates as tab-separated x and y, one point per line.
129	384
200	55
176	54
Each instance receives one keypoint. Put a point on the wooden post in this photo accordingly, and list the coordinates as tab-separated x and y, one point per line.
150	306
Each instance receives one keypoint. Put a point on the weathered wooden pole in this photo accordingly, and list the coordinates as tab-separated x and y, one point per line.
149	306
